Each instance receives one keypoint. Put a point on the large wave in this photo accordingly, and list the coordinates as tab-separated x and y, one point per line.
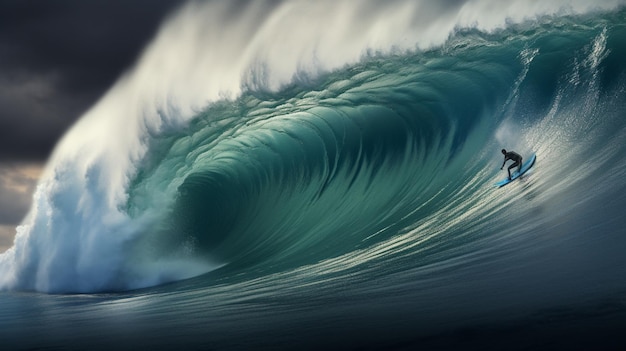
273	136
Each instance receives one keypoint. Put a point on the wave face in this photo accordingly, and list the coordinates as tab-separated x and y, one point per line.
307	143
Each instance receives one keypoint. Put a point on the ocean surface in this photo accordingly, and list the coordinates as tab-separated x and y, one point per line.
320	175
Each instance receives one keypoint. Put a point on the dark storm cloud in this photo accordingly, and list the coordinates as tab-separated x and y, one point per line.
57	58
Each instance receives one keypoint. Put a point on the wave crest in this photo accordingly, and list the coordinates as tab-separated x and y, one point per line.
300	152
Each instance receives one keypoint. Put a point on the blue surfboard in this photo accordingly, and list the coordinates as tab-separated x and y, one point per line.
525	167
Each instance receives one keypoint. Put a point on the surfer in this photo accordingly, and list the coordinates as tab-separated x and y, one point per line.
517	160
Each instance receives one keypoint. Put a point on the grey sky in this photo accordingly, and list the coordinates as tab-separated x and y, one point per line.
17	184
56	59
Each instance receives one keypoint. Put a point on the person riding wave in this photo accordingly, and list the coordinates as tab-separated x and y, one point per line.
514	156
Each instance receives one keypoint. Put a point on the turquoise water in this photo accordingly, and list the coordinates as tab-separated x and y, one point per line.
353	207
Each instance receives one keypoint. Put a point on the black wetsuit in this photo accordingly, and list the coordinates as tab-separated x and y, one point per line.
511	155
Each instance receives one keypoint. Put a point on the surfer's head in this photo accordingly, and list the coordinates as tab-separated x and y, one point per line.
503	151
